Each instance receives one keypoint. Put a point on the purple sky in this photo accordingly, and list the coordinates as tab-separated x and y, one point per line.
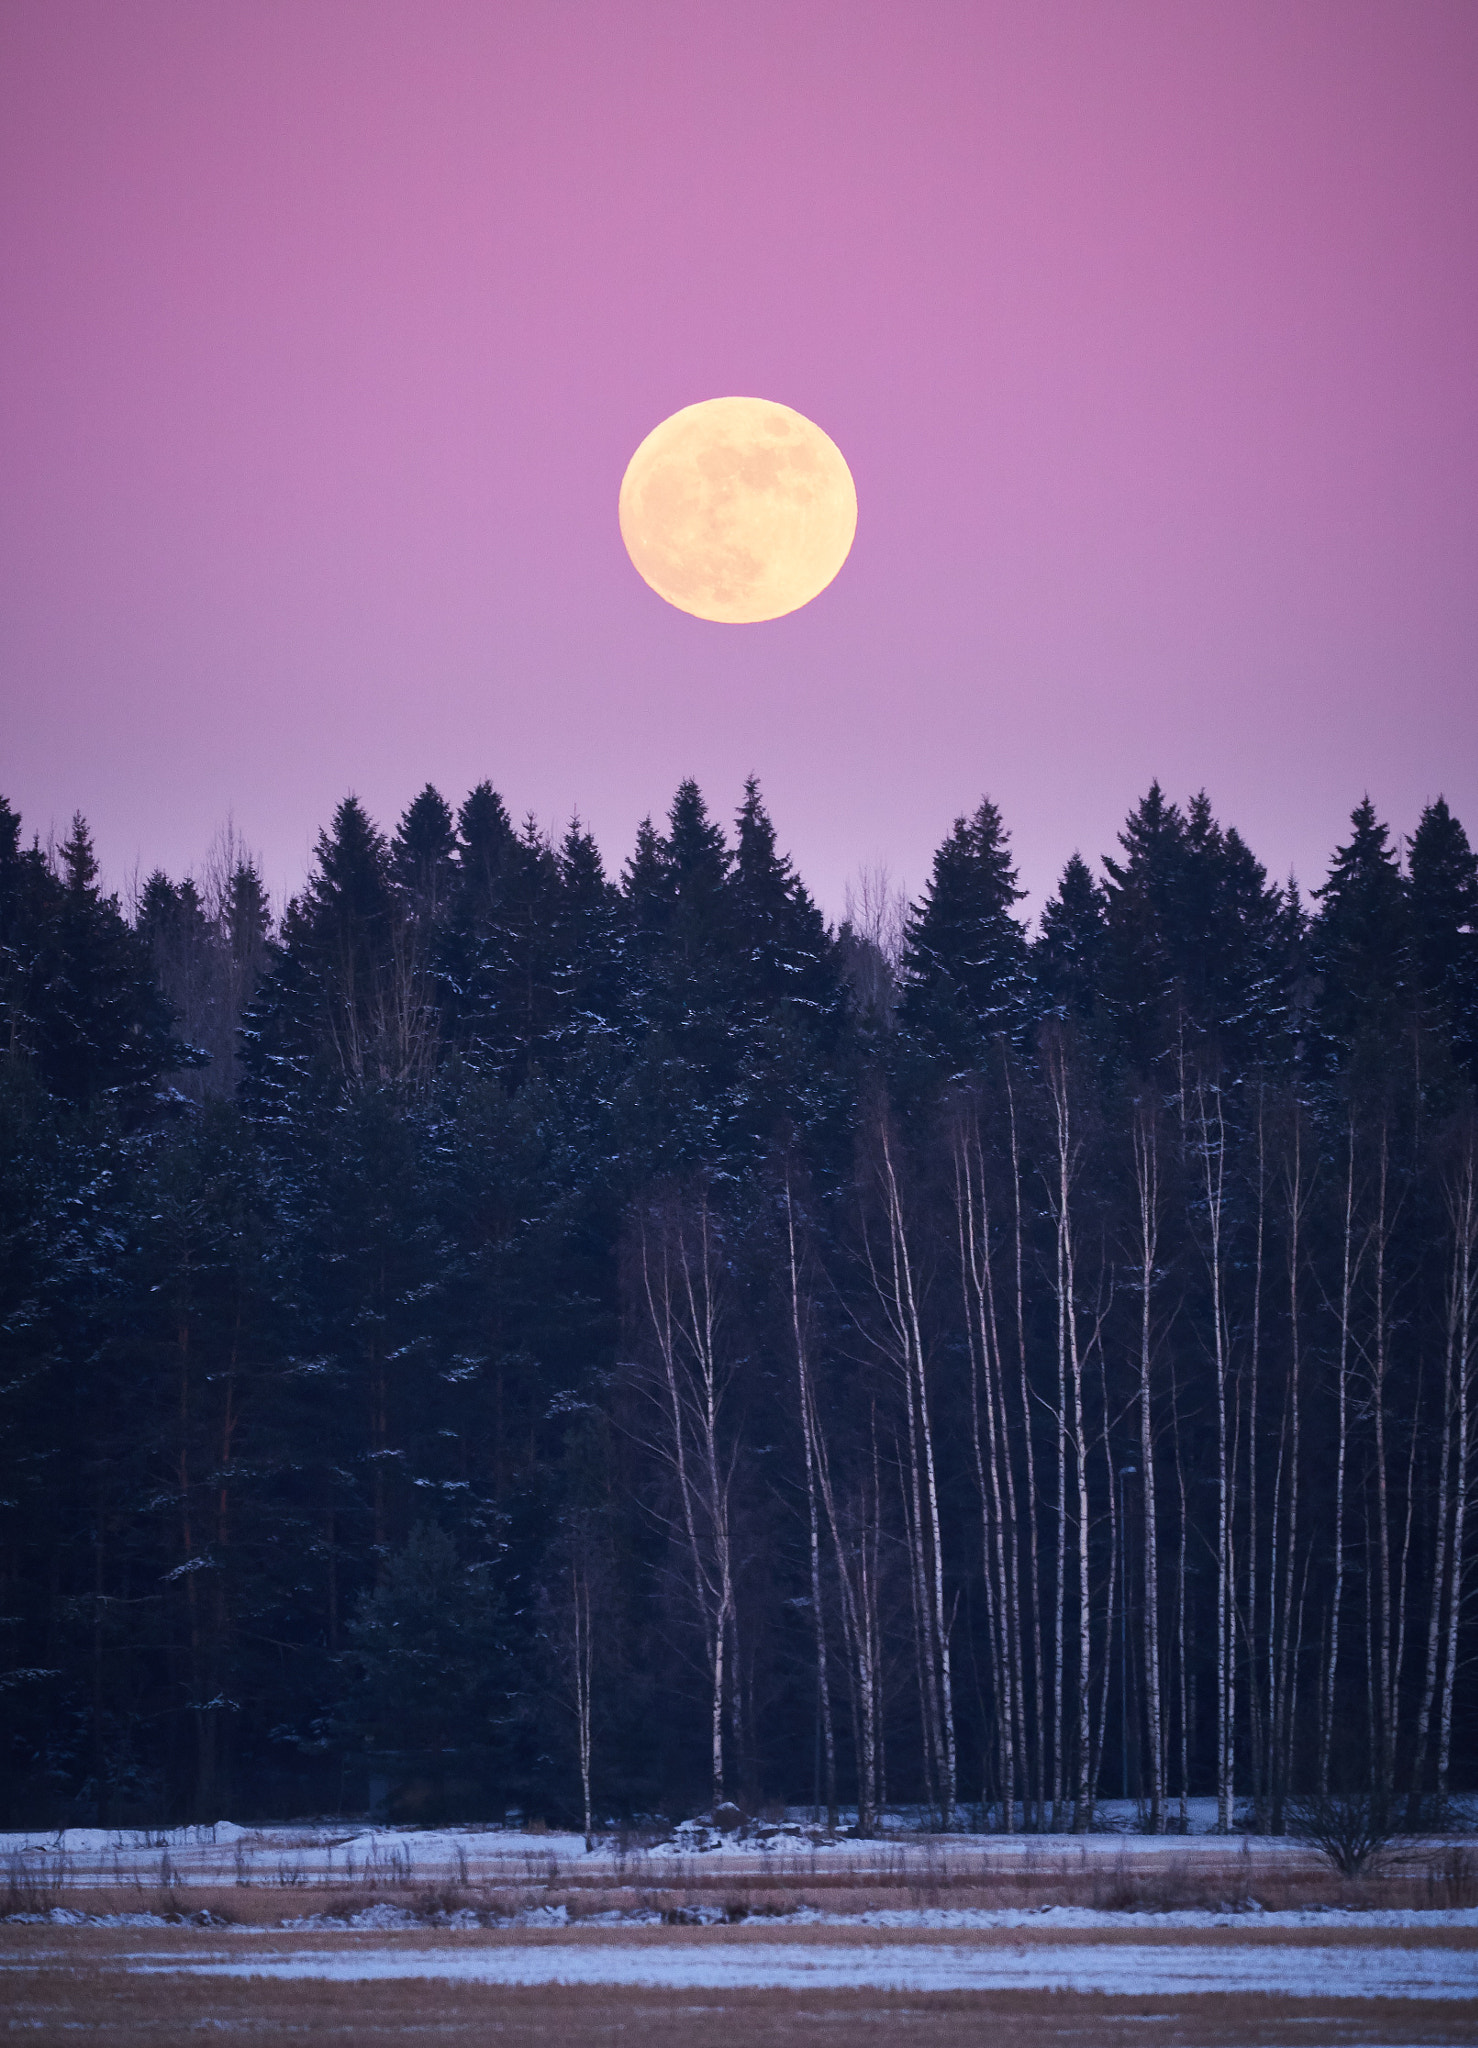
1149	332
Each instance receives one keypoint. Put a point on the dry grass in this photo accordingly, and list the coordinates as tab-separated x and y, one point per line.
58	1983
1211	1876
60	2002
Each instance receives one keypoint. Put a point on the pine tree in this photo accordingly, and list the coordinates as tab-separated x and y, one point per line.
524	992
588	945
480	952
1247	991
103	1027
1444	930
427	1650
1068	955
423	854
965	953
343	1009
697	863
188	958
29	899
1360	939
1144	903
684	985
779	933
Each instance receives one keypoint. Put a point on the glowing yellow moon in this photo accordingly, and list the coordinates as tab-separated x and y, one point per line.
738	510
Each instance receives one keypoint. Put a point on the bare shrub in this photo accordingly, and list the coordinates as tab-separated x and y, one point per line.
1355	1830
27	1889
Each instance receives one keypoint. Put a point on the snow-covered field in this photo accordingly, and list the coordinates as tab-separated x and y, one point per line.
1139	1970
332	1852
340	1874
488	1913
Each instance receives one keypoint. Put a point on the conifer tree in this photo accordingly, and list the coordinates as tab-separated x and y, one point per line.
1247	993
527	963
423	854
1068	955
335	1012
1444	930
29	894
588	944
697	863
104	1025
779	932
1360	938
645	883
965	954
486	843
1144	904
188	958
480	947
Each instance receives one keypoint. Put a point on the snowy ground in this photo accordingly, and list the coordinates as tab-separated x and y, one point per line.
334	1852
1141	1971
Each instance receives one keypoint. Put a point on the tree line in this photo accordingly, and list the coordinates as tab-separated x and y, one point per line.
503	1336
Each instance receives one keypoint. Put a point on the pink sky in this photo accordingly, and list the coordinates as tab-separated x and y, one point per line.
1149	331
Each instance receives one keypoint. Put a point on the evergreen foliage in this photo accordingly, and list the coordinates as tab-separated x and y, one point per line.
965	952
368	1282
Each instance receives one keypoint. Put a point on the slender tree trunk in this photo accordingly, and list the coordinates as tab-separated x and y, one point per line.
1147	1188
678	1256
1256	1703
583	1647
1213	1156
1283	1672
1033	1563
898	1296
1181	1660
1442	1541
996	1505
1348	1270
1462	1209
1385	1754
1065	1170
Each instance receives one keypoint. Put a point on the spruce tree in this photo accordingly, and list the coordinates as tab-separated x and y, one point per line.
697	863
1443	900
588	945
1068	955
1360	939
1144	899
524	985
779	933
485	846
104	1025
423	854
965	955
329	1015
189	965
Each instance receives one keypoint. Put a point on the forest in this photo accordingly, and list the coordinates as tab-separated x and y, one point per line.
502	1338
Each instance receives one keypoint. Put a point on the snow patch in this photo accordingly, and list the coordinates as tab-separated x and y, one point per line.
1120	1970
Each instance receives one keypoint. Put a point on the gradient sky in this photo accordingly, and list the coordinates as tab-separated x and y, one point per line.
1149	331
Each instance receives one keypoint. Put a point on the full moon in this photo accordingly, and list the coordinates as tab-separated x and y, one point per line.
738	510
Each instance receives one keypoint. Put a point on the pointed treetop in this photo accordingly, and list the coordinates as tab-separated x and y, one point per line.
487	838
697	858
1360	934
1443	900
422	851
10	834
964	949
1068	955
582	871
79	862
352	859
